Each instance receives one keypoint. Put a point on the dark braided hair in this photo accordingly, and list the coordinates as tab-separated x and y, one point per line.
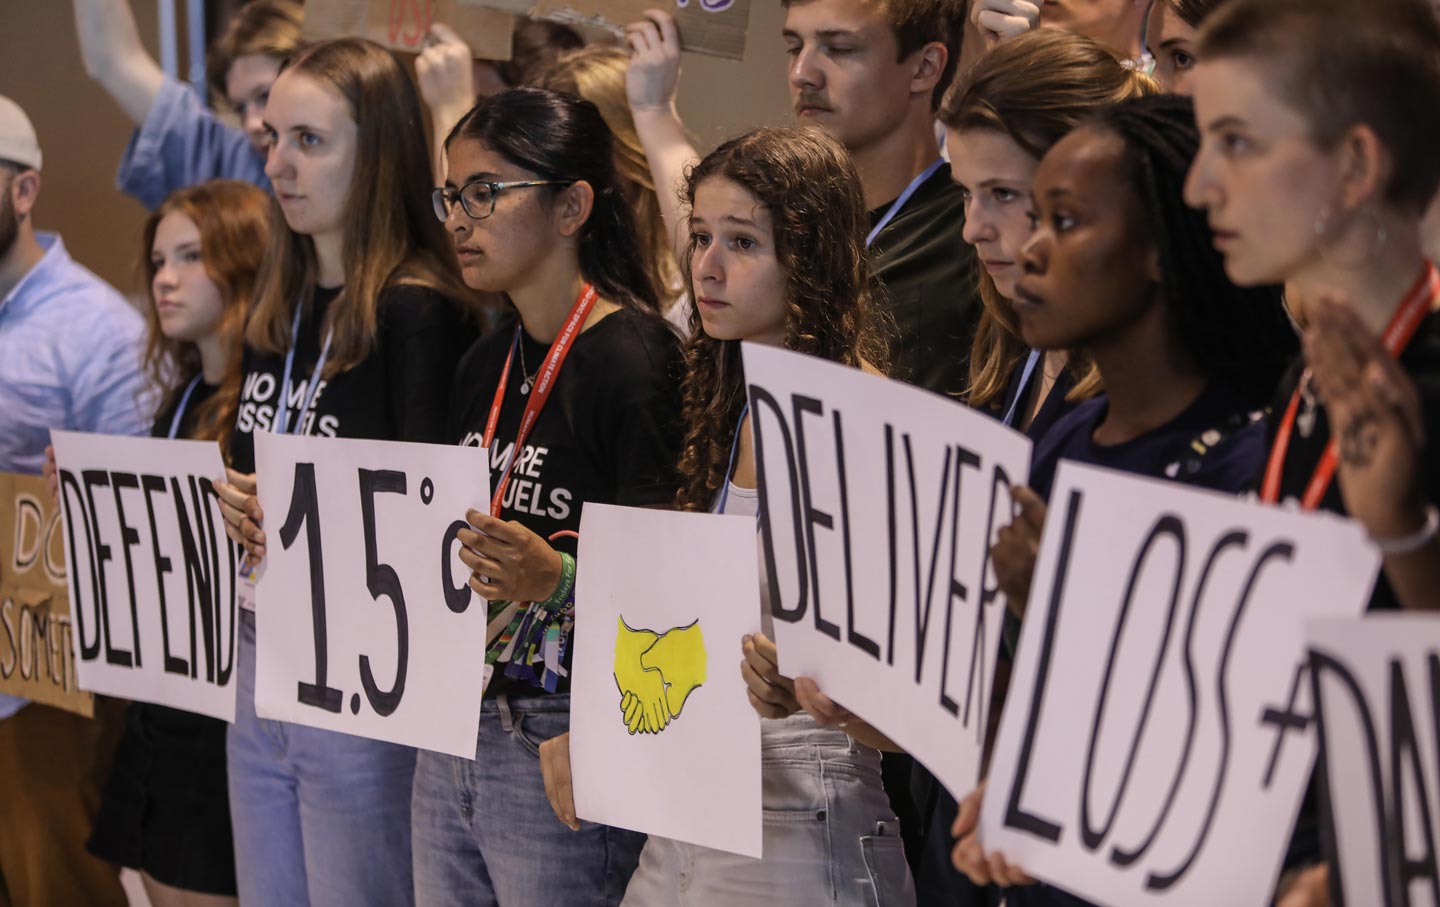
1239	335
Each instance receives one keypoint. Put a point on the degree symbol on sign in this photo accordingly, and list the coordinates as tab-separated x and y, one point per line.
427	490
354	703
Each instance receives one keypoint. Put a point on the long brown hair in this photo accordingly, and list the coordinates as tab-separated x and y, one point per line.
269	28
391	235
231	217
597	74
1033	89
807	182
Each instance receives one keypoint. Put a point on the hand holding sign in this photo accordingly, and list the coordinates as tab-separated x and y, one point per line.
771	695
445	72
829	713
969	855
1001	20
1015	548
240	507
508	561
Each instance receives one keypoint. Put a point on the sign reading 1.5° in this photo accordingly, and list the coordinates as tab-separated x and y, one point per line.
364	621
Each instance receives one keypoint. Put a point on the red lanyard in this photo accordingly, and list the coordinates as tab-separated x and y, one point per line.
540	393
1403	325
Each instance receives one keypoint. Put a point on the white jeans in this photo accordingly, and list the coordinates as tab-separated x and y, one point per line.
830	836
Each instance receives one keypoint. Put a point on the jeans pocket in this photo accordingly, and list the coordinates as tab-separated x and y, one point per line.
531	742
885	864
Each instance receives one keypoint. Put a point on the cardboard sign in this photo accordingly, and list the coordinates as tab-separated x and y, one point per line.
714	27
1376	682
364	620
662	736
1156	739
403	24
37	658
878	506
152	578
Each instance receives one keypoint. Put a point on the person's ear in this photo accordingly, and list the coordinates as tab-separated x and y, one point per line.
1365	166
929	68
573	207
24	192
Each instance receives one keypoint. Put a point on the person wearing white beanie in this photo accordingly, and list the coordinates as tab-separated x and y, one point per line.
69	358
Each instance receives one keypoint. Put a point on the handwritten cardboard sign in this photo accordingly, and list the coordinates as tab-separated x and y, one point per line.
36	655
714	27
1157	736
878	506
364	621
152	584
1376	682
402	24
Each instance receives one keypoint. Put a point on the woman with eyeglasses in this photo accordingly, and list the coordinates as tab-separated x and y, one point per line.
359	322
577	399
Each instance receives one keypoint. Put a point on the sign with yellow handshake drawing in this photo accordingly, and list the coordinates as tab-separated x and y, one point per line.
656	673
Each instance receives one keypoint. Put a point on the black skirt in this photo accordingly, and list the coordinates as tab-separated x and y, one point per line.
166	808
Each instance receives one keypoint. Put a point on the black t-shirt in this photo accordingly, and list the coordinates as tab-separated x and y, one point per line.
400	392
610	433
927	273
161	428
1215	443
1020	394
1421	360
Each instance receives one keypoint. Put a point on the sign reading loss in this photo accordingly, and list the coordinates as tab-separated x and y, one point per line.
37	658
152	573
365	623
1377	684
1157	736
878	506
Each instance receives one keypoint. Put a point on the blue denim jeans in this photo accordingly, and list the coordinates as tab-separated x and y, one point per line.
320	818
485	834
830	836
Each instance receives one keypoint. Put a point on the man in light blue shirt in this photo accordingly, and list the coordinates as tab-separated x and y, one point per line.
70	349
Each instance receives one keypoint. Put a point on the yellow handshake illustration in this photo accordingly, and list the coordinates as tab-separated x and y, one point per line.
656	673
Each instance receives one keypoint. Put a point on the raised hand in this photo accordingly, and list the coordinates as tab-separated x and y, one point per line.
679	656
1374	413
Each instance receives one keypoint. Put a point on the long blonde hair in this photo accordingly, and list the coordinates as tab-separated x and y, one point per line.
597	74
1033	89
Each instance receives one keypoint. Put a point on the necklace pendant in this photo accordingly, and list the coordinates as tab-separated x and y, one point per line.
524	388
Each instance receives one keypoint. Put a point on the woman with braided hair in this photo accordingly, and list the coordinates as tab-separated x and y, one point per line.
1120	266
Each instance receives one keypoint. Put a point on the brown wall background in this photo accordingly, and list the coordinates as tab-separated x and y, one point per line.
82	132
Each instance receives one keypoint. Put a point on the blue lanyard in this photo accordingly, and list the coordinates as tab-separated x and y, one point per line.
184	403
1030	362
282	409
900	202
730	470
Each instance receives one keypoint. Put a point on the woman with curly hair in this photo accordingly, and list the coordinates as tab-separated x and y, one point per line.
777	256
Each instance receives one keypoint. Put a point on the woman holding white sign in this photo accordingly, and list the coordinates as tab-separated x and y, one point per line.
1121	266
576	400
202	250
777	256
1317	168
359	323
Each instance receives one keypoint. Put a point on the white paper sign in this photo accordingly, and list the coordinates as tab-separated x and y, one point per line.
1377	682
662	737
1156	740
151	572
364	622
879	503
